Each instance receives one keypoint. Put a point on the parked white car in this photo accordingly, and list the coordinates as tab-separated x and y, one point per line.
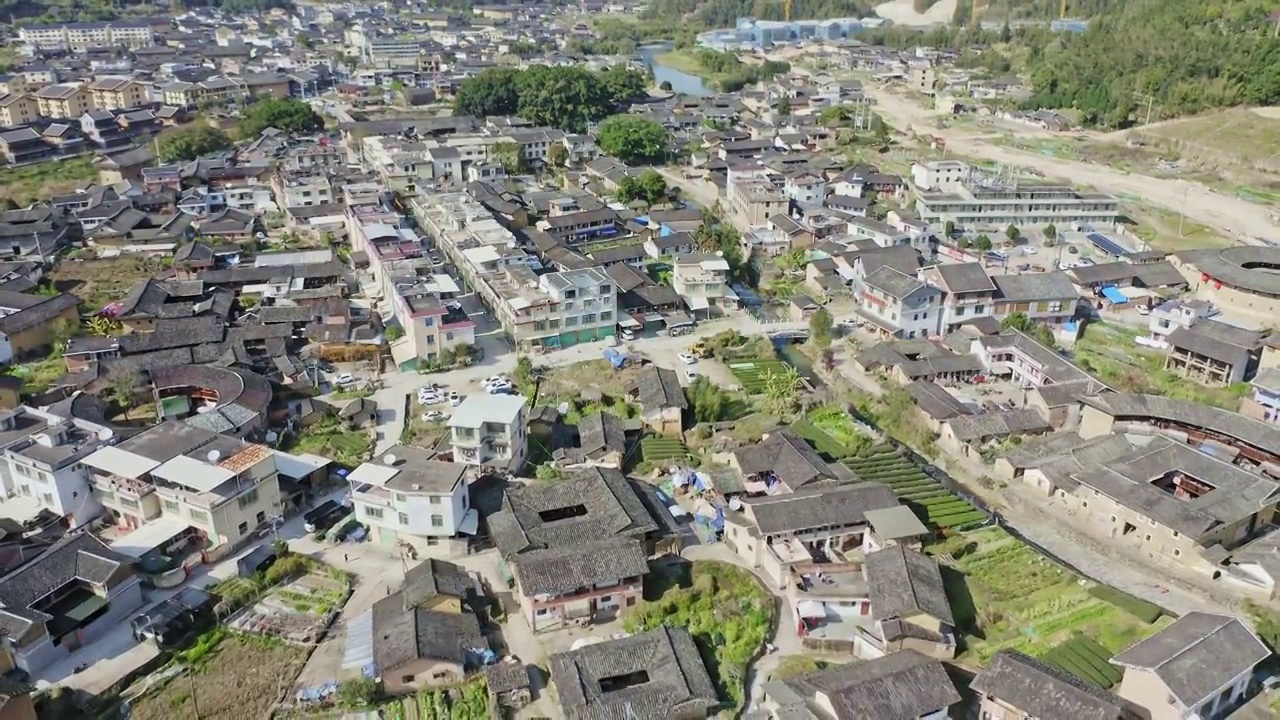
687	359
434	416
345	379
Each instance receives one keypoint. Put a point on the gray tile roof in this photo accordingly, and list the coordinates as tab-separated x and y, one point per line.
787	456
435	577
900	686
82	557
1217	341
935	401
998	424
672	680
602	502
821	507
891	282
1045	691
657	387
1126	406
1197	655
1234	493
904	582
1034	287
965	278
565	569
402	636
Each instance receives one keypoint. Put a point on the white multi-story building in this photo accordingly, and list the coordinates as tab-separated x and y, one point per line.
703	282
941	175
42	463
406	497
490	430
82	36
898	305
193	482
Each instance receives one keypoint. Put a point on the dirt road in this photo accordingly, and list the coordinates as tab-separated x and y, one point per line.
1239	220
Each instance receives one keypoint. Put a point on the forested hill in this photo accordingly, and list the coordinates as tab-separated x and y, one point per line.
1182	56
39	12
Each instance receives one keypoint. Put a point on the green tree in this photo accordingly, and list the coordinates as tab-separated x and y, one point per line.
393	333
709	402
491	92
624	84
648	186
122	385
568	98
508	154
783	106
982	243
835	115
558	155
1024	324
820	327
633	139
1050	235
949	229
285	114
357	692
189	142
1012	233
665	86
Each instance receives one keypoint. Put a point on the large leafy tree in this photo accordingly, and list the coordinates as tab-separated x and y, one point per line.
633	139
284	114
623	83
190	142
648	186
568	98
492	92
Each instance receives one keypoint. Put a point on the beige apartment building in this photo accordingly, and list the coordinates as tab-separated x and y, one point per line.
117	93
490	430
18	109
64	101
192	481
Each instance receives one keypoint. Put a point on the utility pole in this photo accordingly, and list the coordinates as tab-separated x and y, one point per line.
192	681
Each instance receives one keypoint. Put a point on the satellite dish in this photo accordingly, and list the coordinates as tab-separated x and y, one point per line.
389	460
214	456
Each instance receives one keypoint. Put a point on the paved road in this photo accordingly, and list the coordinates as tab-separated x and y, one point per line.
1233	217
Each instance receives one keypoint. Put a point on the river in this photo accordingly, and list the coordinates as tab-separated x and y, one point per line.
681	82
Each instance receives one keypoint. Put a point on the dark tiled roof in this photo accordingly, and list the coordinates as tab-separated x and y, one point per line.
81	557
821	507
435	577
1045	691
403	636
676	684
564	569
1197	655
900	686
787	456
904	582
659	388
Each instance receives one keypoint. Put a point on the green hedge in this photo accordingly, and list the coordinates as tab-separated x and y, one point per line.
1137	607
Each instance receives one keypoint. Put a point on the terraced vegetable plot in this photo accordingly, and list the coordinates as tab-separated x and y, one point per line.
662	448
1085	658
751	372
1011	596
937	506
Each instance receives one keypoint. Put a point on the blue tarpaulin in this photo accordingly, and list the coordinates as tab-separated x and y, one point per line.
1114	295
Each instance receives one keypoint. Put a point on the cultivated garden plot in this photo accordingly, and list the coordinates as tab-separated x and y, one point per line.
1085	658
299	611
751	373
937	506
657	447
1007	595
242	677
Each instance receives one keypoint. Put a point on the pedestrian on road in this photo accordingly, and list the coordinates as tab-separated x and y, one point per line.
345	558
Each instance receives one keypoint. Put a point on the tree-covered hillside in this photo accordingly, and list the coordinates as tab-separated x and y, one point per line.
1182	56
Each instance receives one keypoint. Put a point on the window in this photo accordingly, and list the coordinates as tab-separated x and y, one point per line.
464	501
372	512
1084	503
960	311
631	601
198	515
435	499
244	528
400	497
261	517
247	499
125	502
170	506
430	322
403	518
979	309
437	521
540	611
606	598
406	679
